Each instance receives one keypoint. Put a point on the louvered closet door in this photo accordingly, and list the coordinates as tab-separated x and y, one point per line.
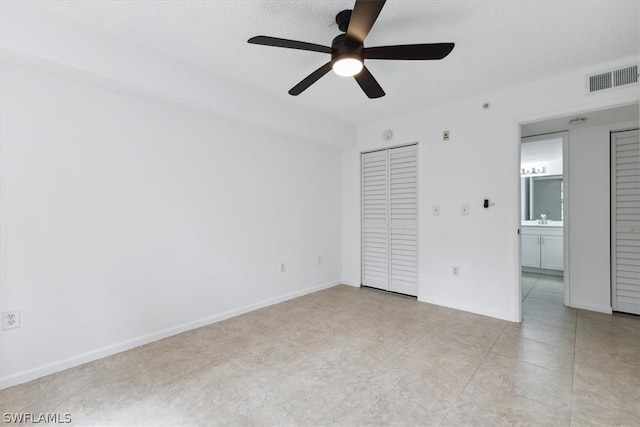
403	219
390	220
375	219
625	232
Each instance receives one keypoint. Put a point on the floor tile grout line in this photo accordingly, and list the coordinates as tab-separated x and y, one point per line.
474	374
573	376
530	289
532	364
549	344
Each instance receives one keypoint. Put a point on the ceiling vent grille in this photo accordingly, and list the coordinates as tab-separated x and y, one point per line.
612	79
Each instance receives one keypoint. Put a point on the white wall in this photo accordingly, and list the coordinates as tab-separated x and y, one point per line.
542	152
589	216
480	161
125	220
28	32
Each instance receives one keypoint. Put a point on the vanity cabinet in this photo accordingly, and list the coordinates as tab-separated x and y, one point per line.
543	247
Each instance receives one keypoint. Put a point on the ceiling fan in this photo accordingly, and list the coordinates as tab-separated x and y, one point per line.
348	52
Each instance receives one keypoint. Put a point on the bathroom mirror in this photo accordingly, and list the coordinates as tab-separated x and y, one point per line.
542	195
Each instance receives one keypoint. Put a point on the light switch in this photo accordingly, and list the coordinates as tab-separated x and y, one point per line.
436	210
464	209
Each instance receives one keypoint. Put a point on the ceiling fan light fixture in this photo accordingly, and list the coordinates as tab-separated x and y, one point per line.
348	52
347	65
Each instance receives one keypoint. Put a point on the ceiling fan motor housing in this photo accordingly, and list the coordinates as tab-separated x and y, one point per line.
342	48
342	19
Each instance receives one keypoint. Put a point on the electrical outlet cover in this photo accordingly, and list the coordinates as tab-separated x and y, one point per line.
455	271
11	319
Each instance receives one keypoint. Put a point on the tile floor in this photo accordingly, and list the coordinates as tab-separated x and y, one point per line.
350	356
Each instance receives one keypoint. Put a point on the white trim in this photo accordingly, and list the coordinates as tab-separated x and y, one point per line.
579	109
471	309
566	271
353	283
598	308
391	147
50	368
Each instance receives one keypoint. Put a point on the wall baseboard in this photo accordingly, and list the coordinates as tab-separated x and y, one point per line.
90	356
558	273
351	283
510	317
590	307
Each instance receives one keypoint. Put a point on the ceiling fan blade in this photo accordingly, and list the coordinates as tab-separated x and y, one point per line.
369	84
410	51
364	15
290	44
310	79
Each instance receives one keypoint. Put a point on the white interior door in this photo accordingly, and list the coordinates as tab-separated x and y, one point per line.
403	221
375	220
390	219
625	222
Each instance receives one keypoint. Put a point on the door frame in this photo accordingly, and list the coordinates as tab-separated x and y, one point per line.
565	208
520	121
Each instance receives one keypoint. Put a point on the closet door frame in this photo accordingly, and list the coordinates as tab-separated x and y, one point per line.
362	223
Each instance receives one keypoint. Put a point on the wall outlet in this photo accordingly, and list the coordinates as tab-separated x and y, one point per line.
445	135
436	210
455	271
464	209
283	267
11	319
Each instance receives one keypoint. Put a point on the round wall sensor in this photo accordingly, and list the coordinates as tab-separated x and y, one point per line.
387	135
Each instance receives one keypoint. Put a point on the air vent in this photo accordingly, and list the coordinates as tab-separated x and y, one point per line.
625	76
612	79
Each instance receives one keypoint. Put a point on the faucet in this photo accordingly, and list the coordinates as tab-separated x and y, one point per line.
543	219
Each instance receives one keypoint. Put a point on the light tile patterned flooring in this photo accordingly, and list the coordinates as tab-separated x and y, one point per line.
350	356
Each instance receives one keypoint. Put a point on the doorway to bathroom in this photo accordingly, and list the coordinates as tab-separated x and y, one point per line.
542	214
583	198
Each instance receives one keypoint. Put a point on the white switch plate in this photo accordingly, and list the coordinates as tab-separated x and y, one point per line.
464	209
436	210
319	259
455	271
445	135
283	267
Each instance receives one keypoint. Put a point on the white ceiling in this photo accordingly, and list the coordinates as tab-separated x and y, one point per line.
498	44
